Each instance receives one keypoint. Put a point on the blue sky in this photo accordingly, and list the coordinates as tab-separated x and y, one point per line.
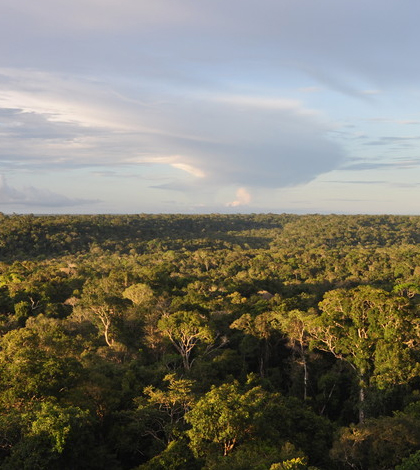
207	106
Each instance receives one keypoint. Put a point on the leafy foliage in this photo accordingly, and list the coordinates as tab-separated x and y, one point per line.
209	342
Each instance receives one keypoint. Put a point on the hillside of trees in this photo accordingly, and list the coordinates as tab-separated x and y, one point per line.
213	342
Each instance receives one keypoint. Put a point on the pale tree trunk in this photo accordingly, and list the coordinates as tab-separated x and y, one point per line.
305	378
361	403
105	316
362	396
107	324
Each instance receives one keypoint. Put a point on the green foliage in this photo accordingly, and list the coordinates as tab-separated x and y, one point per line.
37	361
139	294
177	456
372	330
256	455
229	417
163	410
50	437
55	423
412	462
185	330
293	464
377	444
128	340
225	416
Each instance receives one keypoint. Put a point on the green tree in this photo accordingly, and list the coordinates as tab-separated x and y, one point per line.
176	456
262	327
37	361
102	299
56	423
140	294
373	331
224	417
186	330
164	410
295	325
412	462
377	443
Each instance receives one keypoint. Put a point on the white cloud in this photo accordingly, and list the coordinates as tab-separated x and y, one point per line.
189	169
261	103
223	139
243	198
58	98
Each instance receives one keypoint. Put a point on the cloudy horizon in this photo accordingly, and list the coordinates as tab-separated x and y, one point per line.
211	106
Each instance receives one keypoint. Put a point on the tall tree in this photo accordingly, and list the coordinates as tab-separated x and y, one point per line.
224	417
294	324
373	331
185	330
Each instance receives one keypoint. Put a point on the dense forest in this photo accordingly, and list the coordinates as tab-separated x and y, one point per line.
228	342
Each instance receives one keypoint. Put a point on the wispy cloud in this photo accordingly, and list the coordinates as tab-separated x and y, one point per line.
31	196
367	182
394	121
389	140
310	89
398	164
371	92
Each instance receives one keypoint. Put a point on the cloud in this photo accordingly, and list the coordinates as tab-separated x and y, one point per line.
169	38
371	92
31	196
388	184
310	89
370	182
408	122
396	121
189	169
403	141
222	139
243	198
204	92
99	15
395	165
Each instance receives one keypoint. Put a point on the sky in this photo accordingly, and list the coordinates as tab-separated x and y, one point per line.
204	106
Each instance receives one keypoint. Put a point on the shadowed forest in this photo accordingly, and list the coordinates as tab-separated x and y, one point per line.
214	342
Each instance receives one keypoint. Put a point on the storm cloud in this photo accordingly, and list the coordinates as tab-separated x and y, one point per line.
221	138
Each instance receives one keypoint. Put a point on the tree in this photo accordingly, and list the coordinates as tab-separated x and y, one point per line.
295	325
377	443
412	462
232	421
37	361
167	407
224	417
261	326
373	331
176	456
101	298
57	424
185	330
140	294
144	315
292	464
